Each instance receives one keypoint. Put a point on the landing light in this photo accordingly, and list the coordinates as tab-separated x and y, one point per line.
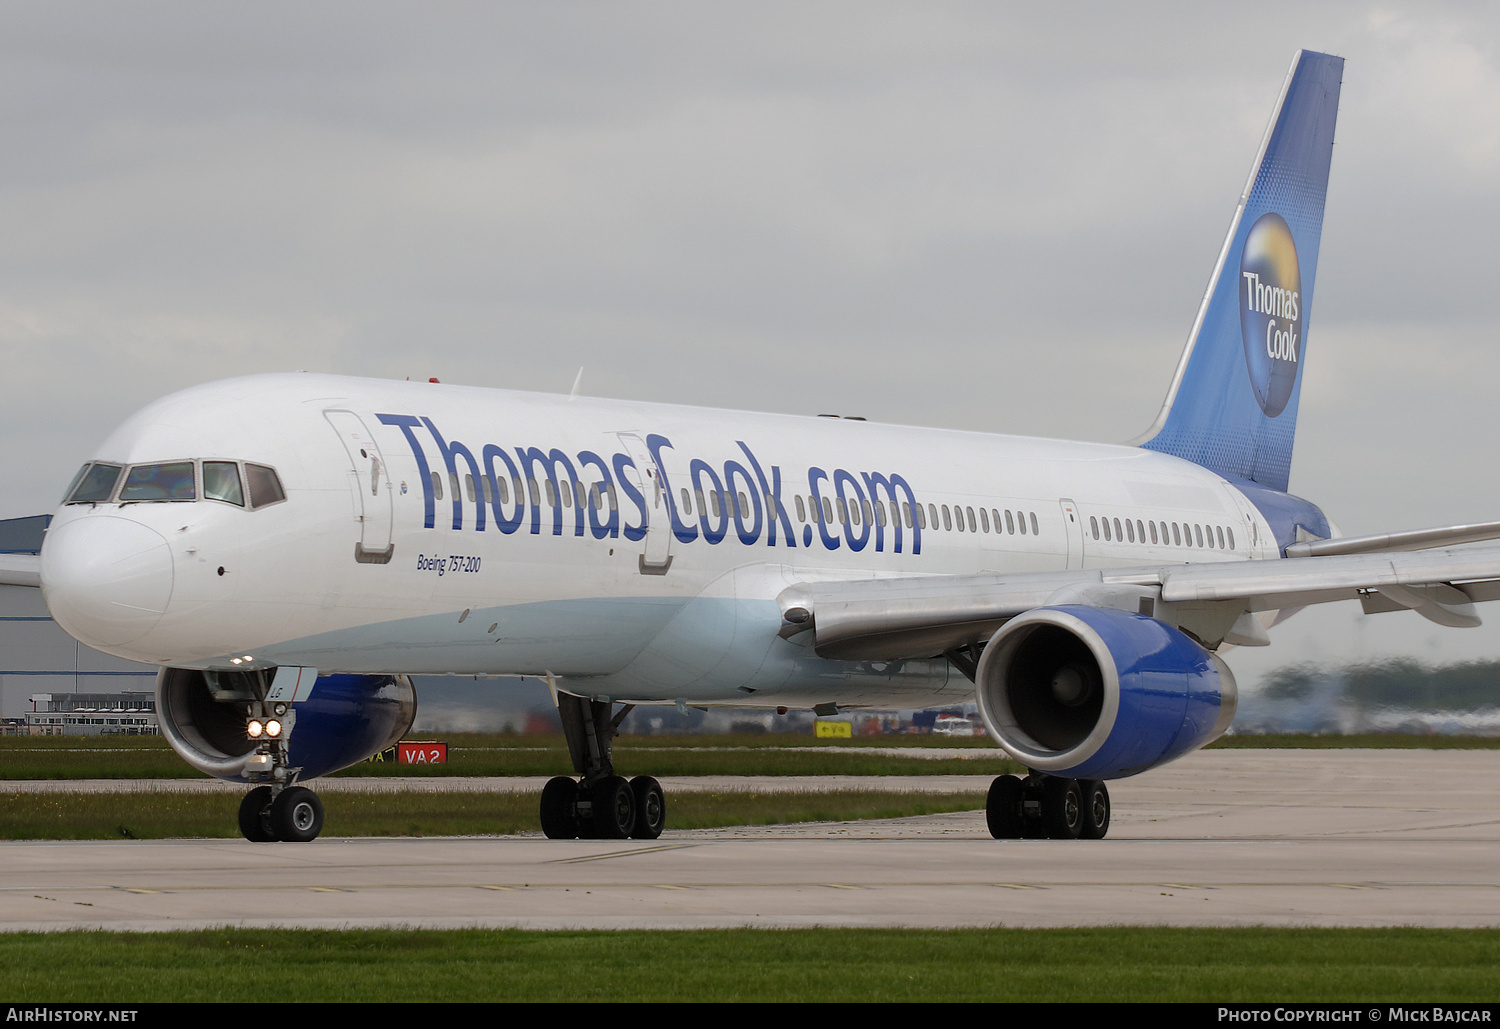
273	728
254	729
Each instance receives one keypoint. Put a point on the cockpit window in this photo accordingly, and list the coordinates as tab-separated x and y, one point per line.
173	481
265	487
94	484
221	481
231	482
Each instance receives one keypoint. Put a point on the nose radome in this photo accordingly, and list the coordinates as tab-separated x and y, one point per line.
106	580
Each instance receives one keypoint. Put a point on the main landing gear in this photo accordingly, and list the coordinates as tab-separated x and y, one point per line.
291	814
600	805
1047	806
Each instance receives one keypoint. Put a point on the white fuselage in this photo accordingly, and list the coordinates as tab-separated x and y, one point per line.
654	590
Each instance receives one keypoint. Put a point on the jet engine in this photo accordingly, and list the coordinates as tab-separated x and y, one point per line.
218	721
1096	693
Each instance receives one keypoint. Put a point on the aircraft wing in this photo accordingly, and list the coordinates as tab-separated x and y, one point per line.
892	618
20	570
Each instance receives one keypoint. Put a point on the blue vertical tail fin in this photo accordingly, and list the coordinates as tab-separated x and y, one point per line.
1232	406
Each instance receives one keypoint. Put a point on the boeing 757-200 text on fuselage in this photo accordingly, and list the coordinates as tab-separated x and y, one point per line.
289	548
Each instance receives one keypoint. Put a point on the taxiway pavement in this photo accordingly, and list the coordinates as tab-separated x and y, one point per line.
1222	837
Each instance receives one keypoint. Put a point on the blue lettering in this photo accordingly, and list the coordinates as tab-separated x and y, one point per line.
747	536
696	471
406	423
857	510
506	524
634	533
774	510
656	444
551	462
874	481
611	527
814	476
451	453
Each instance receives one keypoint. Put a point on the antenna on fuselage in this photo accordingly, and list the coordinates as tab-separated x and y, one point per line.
576	383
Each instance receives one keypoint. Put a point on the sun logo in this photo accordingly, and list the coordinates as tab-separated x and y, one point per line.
1271	322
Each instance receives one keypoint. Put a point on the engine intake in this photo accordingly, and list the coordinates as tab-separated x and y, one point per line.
1095	693
344	720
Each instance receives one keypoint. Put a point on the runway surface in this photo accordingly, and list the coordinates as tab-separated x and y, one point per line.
1230	837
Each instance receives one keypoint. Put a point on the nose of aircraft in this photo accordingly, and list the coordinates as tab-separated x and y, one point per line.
106	579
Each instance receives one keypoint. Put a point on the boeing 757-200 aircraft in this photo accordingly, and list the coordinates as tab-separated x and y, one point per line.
289	548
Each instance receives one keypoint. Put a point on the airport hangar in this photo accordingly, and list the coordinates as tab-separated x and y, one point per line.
88	692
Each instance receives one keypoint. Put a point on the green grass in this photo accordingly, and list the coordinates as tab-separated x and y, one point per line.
162	815
843	965
500	754
490	754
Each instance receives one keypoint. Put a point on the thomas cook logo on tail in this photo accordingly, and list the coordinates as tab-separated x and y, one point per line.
1271	307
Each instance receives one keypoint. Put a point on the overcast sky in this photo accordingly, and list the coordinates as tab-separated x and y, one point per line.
977	215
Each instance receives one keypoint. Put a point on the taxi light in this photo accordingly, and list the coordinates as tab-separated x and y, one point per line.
255	728
273	728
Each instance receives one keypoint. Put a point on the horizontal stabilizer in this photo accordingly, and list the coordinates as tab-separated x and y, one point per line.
1412	539
20	570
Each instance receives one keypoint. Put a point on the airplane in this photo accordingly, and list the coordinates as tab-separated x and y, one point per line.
290	548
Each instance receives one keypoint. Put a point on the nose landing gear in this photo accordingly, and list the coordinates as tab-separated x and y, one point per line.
291	814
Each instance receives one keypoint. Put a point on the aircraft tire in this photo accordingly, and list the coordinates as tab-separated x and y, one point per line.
560	808
650	808
1002	808
1095	809
255	826
297	815
1062	808
614	809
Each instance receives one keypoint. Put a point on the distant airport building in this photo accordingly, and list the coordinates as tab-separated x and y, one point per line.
91	714
38	659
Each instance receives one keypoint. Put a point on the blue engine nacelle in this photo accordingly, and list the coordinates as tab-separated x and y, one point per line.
344	720
1095	693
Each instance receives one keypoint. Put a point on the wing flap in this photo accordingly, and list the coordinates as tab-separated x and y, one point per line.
1294	583
898	618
